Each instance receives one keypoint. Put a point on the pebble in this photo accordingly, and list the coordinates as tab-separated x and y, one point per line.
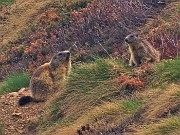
19	130
22	90
16	114
13	94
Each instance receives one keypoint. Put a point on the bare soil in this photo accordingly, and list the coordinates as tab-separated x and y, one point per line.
17	120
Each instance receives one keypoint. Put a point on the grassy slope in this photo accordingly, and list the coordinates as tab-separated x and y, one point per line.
95	99
95	105
94	95
20	17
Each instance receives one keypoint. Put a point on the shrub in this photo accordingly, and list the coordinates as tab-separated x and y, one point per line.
87	25
163	31
14	82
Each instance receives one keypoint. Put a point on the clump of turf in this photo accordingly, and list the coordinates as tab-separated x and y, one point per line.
14	82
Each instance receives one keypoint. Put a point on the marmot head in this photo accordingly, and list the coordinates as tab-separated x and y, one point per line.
132	38
59	59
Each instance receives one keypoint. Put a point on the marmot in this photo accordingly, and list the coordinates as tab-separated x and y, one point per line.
141	51
47	76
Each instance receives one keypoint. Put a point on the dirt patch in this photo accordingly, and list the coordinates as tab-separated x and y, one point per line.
17	120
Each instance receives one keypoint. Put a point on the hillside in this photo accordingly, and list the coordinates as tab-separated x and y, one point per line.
18	16
103	95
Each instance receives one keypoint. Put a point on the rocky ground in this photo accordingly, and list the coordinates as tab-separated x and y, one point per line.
17	120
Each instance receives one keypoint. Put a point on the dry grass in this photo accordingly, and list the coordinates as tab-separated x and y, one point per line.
95	98
162	111
21	16
92	95
161	103
103	117
170	126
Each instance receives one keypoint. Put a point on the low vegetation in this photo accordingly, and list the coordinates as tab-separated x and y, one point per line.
14	82
167	71
130	105
103	93
1	129
6	2
93	94
170	126
163	31
89	81
91	28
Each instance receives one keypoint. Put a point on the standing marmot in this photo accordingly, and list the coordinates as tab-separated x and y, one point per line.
47	76
141	51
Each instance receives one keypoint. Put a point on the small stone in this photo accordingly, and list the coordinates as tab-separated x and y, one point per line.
2	97
16	114
19	130
2	110
22	90
13	94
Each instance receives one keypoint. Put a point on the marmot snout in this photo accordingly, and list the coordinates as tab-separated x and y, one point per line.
131	38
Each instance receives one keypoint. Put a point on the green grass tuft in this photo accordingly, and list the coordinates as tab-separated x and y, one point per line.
6	2
15	82
87	77
131	105
168	71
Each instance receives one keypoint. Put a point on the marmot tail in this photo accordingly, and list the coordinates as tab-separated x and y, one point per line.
24	100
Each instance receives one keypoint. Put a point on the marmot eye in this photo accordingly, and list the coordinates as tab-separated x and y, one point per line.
60	54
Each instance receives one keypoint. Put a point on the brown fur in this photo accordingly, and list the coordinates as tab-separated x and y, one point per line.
49	77
141	51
